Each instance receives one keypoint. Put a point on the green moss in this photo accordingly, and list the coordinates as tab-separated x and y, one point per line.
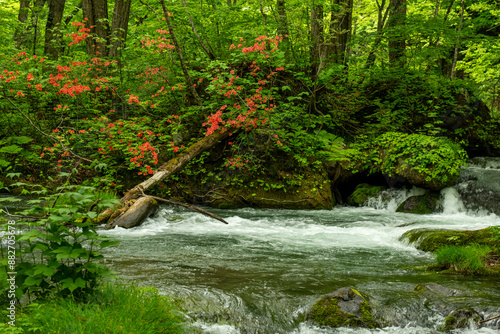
421	205
466	252
460	318
362	193
326	312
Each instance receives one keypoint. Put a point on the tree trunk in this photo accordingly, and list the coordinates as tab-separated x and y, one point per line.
53	28
397	38
382	18
187	77
119	27
340	31
96	13
455	55
316	38
169	168
21	32
27	34
200	40
282	19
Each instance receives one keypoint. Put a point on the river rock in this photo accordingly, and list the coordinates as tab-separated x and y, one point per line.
433	289
462	318
362	193
345	307
422	204
136	214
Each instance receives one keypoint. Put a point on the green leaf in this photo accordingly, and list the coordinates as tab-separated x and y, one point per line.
12	149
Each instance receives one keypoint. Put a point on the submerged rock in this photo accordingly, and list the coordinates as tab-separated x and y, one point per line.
362	193
345	307
433	289
136	214
462	318
422	204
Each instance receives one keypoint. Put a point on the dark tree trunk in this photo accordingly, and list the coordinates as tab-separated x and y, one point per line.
53	28
96	13
119	27
21	32
340	31
397	38
316	38
383	12
282	19
26	34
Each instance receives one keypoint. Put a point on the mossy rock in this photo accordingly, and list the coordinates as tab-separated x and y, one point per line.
422	204
462	318
423	161
431	240
362	193
345	307
435	290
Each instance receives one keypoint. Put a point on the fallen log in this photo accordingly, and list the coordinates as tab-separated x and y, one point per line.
170	167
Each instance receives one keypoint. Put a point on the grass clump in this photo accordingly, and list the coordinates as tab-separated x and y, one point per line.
463	259
114	308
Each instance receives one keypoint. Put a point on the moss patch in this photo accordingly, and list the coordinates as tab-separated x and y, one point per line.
421	205
455	249
331	311
362	193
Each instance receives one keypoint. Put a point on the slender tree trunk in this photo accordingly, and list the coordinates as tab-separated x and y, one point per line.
316	38
397	38
383	12
187	77
119	27
340	31
455	55
200	40
96	13
21	32
53	28
264	22
282	19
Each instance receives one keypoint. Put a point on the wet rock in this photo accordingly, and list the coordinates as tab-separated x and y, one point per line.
362	193
462	318
422	204
433	289
345	307
136	214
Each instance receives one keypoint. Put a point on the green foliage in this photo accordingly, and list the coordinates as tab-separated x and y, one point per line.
464	259
113	308
59	253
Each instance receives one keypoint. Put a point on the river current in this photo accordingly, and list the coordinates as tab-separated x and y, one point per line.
260	273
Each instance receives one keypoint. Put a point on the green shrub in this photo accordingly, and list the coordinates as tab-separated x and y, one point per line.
464	259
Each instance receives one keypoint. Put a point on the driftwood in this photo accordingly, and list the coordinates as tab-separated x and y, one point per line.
188	206
170	167
495	317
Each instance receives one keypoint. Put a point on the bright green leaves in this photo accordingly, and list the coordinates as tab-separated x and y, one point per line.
59	253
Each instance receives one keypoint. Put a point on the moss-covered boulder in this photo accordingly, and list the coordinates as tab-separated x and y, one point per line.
431	240
422	161
462	318
422	204
345	307
362	193
463	252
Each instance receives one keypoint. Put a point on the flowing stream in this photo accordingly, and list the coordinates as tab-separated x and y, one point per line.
260	273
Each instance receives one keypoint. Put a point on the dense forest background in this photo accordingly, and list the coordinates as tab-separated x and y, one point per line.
104	91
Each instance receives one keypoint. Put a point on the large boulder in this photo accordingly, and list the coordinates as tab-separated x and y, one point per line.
345	307
422	161
136	213
362	193
421	204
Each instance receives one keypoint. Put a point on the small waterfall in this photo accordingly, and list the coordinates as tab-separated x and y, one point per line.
451	201
391	198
